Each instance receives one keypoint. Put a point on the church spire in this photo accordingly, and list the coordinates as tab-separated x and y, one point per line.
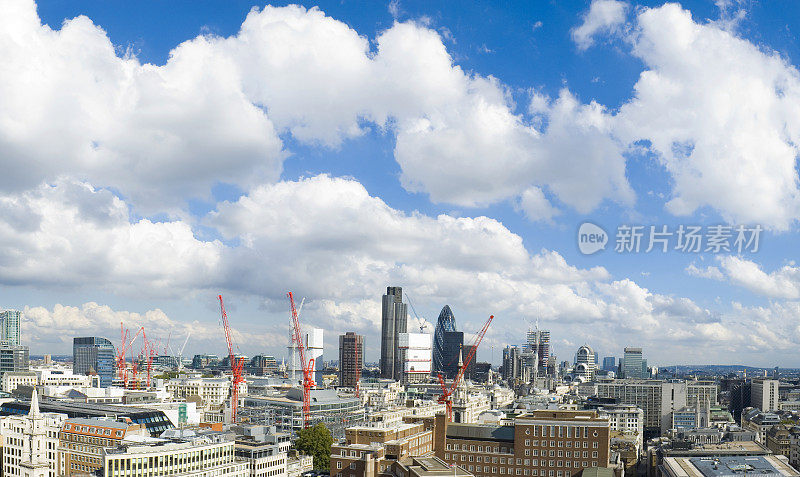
34	411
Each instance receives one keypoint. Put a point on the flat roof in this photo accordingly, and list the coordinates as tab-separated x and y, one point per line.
480	432
728	466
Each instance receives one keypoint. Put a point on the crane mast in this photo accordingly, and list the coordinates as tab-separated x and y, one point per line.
307	365
236	364
447	393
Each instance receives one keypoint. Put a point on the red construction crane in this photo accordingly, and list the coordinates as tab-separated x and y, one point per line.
308	365
236	363
125	345
447	393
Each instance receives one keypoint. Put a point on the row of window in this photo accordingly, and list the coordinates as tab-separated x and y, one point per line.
519	461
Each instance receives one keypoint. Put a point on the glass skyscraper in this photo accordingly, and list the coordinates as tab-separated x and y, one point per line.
632	363
94	355
445	324
9	327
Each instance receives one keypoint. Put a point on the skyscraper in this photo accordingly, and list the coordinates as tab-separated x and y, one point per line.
446	323
94	355
632	363
9	327
585	362
351	358
609	363
416	352
543	353
394	320
314	348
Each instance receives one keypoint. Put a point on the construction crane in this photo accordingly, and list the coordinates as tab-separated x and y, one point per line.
180	352
236	363
423	323
125	345
447	393
307	365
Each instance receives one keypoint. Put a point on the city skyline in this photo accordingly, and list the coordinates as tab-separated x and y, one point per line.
405	144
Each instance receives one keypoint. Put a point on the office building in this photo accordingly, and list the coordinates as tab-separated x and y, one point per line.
265	450
351	358
632	364
585	363
609	363
725	466
13	359
446	323
453	346
539	443
199	453
764	394
93	355
285	412
540	338
658	399
394	320
10	321
30	441
372	450
81	442
314	348
415	348
154	420
511	365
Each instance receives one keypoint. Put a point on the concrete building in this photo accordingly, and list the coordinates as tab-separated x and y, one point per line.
539	443
585	363
30	442
81	443
285	412
632	364
658	399
351	358
764	394
10	321
426	467
725	466
189	453
93	355
314	349
394	320
265	450
13	359
759	422
415	349
372	450
12	380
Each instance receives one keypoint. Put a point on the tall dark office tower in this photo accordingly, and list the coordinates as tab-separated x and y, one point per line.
453	343
610	363
351	358
92	354
446	323
394	320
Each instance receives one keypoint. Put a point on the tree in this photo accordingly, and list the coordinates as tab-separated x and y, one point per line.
316	441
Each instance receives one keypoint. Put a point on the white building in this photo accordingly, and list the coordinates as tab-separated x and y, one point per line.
30	442
314	348
764	394
415	349
214	392
625	419
13	379
585	363
201	454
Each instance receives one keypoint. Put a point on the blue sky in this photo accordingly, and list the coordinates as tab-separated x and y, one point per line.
342	147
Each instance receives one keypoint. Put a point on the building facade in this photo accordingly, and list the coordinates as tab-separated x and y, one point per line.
10	321
632	364
394	320
541	443
30	442
415	349
444	324
94	355
764	394
351	358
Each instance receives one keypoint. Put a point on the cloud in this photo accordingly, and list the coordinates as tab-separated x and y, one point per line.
781	283
710	271
72	235
163	134
720	113
604	16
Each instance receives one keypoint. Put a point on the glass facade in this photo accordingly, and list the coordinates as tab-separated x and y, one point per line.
94	355
442	350
9	327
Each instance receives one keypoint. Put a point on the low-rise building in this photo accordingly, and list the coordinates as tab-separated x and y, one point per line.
724	466
540	443
30	442
81	442
372	450
264	449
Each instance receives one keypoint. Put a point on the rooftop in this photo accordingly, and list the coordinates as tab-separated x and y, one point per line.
727	466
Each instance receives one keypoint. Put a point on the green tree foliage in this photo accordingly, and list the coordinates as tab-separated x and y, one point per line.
316	441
